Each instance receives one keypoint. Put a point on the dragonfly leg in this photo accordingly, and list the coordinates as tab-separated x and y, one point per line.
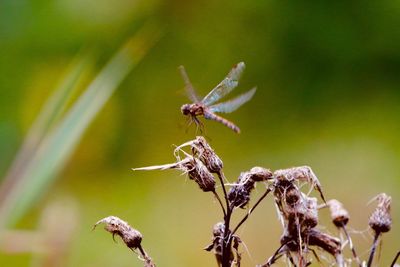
199	125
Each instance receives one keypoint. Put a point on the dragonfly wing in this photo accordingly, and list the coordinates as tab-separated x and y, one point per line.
191	93
232	105
226	86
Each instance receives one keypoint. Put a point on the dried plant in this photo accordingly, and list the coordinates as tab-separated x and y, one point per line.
131	237
297	210
301	242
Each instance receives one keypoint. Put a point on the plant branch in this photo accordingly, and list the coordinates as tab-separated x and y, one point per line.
351	245
373	248
251	210
395	259
220	202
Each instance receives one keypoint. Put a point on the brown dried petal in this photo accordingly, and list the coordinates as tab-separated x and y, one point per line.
340	216
381	220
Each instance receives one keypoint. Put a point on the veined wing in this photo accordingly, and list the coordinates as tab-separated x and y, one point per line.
232	105
191	93
226	86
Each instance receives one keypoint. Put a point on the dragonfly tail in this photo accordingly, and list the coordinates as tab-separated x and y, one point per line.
229	124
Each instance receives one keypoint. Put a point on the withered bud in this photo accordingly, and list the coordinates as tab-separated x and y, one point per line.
260	174
198	172
195	169
381	220
292	196
239	194
311	216
303	174
207	155
131	237
217	242
340	216
326	242
219	229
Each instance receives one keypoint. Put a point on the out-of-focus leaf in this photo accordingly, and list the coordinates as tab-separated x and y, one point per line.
47	117
54	149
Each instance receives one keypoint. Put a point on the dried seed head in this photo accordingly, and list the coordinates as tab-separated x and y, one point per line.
302	173
292	197
311	216
207	155
260	174
239	194
195	169
131	237
218	229
198	172
381	220
340	216
328	243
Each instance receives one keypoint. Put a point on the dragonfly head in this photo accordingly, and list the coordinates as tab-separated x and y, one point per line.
185	109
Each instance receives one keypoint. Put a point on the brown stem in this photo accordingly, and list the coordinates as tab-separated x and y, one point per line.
221	177
251	210
148	261
351	245
395	259
220	202
226	245
274	257
373	248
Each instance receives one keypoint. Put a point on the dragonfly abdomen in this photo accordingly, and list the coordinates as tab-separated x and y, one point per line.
213	116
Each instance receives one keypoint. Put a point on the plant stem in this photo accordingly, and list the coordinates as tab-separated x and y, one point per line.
274	257
147	259
220	202
351	245
373	248
226	246
395	259
221	177
251	210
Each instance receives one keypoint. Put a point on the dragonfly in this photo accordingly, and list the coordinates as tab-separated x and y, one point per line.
207	106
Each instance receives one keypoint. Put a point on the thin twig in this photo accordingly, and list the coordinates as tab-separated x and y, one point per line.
147	259
251	210
221	177
274	257
373	248
395	259
351	245
220	202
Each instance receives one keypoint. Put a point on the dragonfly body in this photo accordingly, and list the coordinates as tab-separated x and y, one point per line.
199	109
206	106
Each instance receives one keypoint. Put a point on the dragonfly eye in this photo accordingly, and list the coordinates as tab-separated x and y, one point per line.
185	109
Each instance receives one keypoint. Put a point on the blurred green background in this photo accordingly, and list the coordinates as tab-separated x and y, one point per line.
328	76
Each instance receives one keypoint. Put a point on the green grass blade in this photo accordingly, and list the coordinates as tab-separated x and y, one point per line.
46	119
58	145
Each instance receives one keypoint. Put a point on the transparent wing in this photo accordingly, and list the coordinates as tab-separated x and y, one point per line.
226	86
191	93
232	105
